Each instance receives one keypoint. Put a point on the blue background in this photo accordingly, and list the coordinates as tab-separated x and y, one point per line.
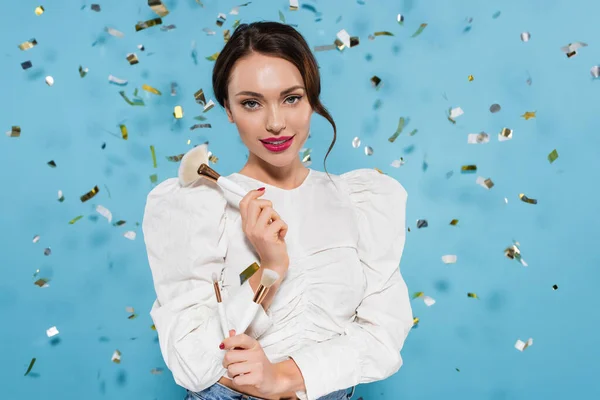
463	348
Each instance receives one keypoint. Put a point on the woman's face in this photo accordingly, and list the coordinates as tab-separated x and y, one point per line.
266	99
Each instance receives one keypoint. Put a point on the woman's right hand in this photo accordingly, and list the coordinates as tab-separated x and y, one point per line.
268	238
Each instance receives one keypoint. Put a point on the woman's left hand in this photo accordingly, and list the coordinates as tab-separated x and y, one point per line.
247	364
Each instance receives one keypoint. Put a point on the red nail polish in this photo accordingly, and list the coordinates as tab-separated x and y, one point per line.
222	346
261	189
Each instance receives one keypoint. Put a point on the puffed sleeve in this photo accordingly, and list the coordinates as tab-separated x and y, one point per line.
369	349
186	241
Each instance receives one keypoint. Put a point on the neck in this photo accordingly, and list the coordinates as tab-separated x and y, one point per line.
285	177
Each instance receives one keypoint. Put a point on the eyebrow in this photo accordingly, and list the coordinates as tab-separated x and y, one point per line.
283	92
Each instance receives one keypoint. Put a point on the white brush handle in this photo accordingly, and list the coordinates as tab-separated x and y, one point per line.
223	320
247	318
230	185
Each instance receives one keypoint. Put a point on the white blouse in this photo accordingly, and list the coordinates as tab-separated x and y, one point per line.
342	312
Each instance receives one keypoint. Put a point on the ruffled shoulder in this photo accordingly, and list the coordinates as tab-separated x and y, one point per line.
380	205
184	227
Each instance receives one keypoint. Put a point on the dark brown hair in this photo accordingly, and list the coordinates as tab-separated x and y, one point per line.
278	40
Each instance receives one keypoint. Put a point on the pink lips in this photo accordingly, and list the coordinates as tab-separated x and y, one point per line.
278	147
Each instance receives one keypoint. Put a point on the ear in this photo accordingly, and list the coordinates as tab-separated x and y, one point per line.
228	111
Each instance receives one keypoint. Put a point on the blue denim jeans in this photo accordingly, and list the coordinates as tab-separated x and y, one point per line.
222	392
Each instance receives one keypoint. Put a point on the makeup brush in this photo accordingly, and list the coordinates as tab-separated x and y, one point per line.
268	278
220	306
194	165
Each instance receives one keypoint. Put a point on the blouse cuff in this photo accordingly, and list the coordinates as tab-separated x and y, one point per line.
236	305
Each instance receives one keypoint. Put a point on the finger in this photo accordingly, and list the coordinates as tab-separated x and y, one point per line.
253	194
275	228
246	379
231	332
235	356
238	368
254	209
267	214
242	341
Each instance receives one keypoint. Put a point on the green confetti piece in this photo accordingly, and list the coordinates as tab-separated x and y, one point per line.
153	178
213	57
420	30
383	33
398	131
135	102
281	17
553	156
413	132
248	272
153	156
71	222
236	24
30	366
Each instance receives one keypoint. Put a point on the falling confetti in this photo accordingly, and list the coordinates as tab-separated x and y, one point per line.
449	259
525	36
527	199
473	295
401	122
116	357
552	156
420	30
528	115
52	332
571	49
30	366
520	345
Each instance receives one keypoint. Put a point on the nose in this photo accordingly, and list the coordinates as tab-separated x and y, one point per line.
275	120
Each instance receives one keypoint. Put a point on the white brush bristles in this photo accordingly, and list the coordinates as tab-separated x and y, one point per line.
191	161
269	277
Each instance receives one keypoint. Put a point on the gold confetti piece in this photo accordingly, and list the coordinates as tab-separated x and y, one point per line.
514	253
150	89
473	295
415	321
571	49
82	71
528	115
449	259
124	133
61	198
209	105
527	199
236	23
178	112
471	78
14	132
154	164
486	183
36	238
420	30
30	366
196	126
135	102
521	345
77	218
422	223
376	81
213	57
454	222
132	58
343	38
505	134
553	156
52	331
105	212
39	10
221	18
90	194
175	158
158	7
325	47
400	19
293	5
199	96
156	371
226	35
383	33
114	32
116	357
417	294
147	24
52	163
555	287
28	45
248	272
153	327
468	169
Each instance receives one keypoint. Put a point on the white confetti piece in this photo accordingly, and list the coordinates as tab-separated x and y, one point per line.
114	32
36	238
344	37
456	112
114	79
49	81
429	301
116	357
478	138
129	235
521	345
449	259
105	212
52	331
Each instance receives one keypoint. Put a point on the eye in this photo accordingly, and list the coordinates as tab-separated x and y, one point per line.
246	104
294	97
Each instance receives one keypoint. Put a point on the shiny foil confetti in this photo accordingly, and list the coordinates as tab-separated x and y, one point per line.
158	7
15	131
514	253
117	81
449	259
571	49
248	272
213	57
178	112
454	222
521	345
83	71
486	183
478	138
472	295
294	5
400	19
36	238
208	106
28	45
528	115
77	218
401	123
90	194
114	32
552	156
470	78
525	36
148	24
95	7
30	367
527	199
152	90
26	65
153	153
505	134
344	38
52	331
105	212
467	169
555	287
47	251
61	197
199	96
595	71
419	31
368	151
422	223
221	18
49	81
132	58
130	235
124	133
356	142
376	82
39	10
116	357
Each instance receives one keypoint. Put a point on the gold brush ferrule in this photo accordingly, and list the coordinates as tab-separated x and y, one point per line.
217	291
208	172
260	294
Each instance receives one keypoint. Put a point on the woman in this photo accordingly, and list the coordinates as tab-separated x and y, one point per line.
340	312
